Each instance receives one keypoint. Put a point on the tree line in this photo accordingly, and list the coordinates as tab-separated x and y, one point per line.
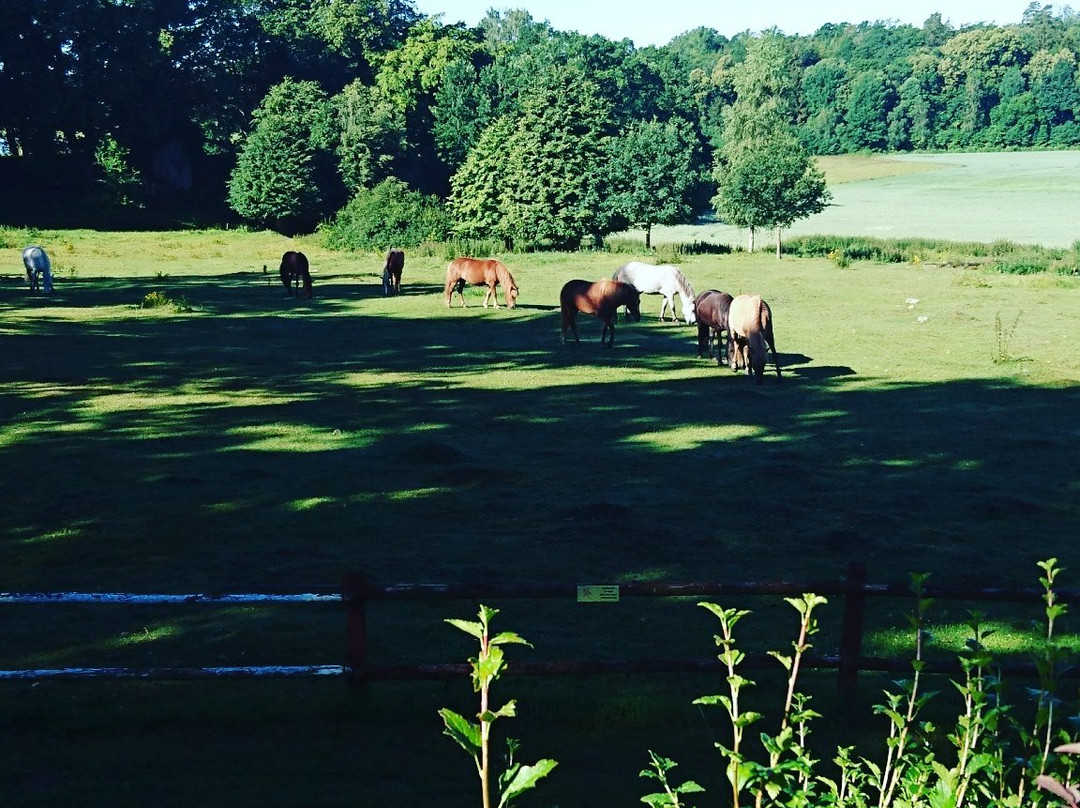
369	118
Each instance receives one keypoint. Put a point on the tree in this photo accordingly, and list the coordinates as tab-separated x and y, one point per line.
283	177
769	184
655	174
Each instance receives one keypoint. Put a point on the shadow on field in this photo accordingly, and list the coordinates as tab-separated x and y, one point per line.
245	441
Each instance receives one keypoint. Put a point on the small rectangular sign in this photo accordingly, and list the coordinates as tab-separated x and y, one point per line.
598	594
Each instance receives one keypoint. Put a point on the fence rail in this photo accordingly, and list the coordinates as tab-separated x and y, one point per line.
357	592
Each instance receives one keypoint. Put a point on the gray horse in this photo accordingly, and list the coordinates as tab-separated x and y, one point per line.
38	269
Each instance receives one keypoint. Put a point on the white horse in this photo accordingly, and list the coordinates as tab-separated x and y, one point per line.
664	279
38	268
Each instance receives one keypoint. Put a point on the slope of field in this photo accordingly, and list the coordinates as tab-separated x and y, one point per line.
1023	197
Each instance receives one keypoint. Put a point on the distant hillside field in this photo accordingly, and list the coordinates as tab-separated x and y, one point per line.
1023	197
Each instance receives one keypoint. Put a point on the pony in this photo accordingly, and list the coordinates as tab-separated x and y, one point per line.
38	269
480	272
601	298
750	333
712	309
391	274
663	279
294	272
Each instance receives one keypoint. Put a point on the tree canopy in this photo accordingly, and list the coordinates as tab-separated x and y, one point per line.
172	99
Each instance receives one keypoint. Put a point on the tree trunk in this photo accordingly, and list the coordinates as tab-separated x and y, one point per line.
648	236
777	242
750	248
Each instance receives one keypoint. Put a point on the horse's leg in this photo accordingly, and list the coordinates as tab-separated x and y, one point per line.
703	340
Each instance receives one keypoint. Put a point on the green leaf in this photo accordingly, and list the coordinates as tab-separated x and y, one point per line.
526	778
466	733
469	627
508	637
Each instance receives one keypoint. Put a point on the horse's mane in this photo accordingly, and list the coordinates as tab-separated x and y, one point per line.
685	289
504	276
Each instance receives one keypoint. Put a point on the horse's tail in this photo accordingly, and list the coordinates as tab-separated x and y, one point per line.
767	331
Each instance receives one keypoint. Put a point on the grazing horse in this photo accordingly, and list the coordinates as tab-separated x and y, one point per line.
38	268
601	298
480	272
712	320
666	280
294	272
750	333
391	274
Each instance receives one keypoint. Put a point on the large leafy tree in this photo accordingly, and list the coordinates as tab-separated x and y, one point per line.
554	164
765	177
284	177
656	175
769	184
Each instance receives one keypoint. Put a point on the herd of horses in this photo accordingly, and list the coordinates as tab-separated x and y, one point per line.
739	329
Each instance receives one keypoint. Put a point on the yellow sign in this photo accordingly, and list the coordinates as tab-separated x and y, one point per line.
598	594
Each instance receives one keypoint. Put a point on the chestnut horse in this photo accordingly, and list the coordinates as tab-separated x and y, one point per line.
294	272
750	333
480	272
712	320
391	274
601	298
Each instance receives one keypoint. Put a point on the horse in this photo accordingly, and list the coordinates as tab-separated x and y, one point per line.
750	332
662	279
487	272
294	272
712	309
601	298
391	274
38	269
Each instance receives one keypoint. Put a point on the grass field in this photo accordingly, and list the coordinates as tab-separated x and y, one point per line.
234	439
1022	197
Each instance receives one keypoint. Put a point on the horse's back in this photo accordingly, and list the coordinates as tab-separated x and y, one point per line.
713	307
395	260
473	270
744	314
35	258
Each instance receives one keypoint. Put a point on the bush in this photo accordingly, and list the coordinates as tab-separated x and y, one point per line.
388	215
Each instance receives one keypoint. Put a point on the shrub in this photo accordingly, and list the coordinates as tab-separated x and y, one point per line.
388	215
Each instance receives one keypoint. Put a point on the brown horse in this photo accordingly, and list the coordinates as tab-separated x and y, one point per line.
391	274
480	272
601	298
294	272
712	309
750	334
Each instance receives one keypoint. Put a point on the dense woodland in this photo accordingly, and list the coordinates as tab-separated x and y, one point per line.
292	113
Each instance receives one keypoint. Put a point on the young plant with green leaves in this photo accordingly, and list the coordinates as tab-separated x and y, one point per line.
669	796
475	737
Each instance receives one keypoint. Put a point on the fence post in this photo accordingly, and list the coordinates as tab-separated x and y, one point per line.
352	594
851	634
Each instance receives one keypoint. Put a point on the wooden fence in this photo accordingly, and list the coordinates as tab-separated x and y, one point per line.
357	593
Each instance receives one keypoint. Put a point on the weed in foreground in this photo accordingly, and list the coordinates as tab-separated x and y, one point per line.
990	756
475	738
1003	336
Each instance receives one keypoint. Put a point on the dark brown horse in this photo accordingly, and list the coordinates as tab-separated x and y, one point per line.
601	298
294	272
750	334
391	274
480	272
712	308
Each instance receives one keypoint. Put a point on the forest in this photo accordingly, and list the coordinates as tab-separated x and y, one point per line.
373	121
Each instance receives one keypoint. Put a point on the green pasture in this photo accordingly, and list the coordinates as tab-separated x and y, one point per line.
232	439
1023	197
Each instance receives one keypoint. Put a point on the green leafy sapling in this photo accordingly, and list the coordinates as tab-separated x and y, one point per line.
669	796
475	738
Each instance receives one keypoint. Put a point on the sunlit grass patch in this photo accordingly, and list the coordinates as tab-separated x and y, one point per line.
681	438
281	437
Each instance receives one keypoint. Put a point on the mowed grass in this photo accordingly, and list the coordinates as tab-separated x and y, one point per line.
239	440
1021	197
